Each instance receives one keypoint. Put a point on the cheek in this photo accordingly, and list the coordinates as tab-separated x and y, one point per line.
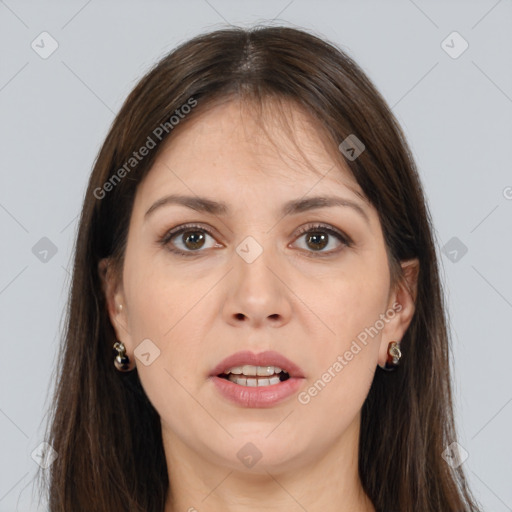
164	308
159	296
335	398
345	362
360	309
345	358
162	311
349	302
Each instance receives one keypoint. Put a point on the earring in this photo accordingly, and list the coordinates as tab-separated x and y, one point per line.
122	361
394	356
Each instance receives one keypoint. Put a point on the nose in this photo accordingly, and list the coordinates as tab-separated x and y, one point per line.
258	293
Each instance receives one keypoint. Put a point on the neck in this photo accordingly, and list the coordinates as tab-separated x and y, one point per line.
327	481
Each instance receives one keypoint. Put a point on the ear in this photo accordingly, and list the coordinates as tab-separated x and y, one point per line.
114	297
401	307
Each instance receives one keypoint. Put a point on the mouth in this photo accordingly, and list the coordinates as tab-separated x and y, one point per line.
248	369
257	380
255	376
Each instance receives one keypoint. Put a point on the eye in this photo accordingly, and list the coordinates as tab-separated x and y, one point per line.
192	239
318	236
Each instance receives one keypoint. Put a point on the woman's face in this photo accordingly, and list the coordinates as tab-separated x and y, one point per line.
255	274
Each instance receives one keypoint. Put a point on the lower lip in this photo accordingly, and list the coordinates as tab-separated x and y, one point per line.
257	396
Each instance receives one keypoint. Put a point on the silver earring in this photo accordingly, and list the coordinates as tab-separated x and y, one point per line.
393	356
122	361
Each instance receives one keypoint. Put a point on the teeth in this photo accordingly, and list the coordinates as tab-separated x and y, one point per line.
254	382
253	371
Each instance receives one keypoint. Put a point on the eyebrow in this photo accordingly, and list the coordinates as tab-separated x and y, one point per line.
293	207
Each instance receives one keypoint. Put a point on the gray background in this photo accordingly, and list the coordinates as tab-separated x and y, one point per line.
456	113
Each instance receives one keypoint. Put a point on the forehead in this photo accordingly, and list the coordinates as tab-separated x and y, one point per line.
274	146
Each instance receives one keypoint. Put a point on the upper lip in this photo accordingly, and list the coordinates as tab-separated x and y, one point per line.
268	358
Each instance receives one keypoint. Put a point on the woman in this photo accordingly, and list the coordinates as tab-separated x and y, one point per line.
254	255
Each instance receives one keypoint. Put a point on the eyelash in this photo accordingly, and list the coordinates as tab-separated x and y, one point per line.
169	235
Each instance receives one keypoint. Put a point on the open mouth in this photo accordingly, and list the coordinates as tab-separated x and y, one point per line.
255	376
270	379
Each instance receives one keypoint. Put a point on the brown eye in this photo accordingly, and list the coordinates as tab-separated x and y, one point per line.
188	240
317	240
193	240
318	237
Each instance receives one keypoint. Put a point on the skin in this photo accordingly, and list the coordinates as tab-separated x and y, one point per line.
197	310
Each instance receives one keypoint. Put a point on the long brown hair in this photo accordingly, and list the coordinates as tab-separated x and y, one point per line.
104	429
